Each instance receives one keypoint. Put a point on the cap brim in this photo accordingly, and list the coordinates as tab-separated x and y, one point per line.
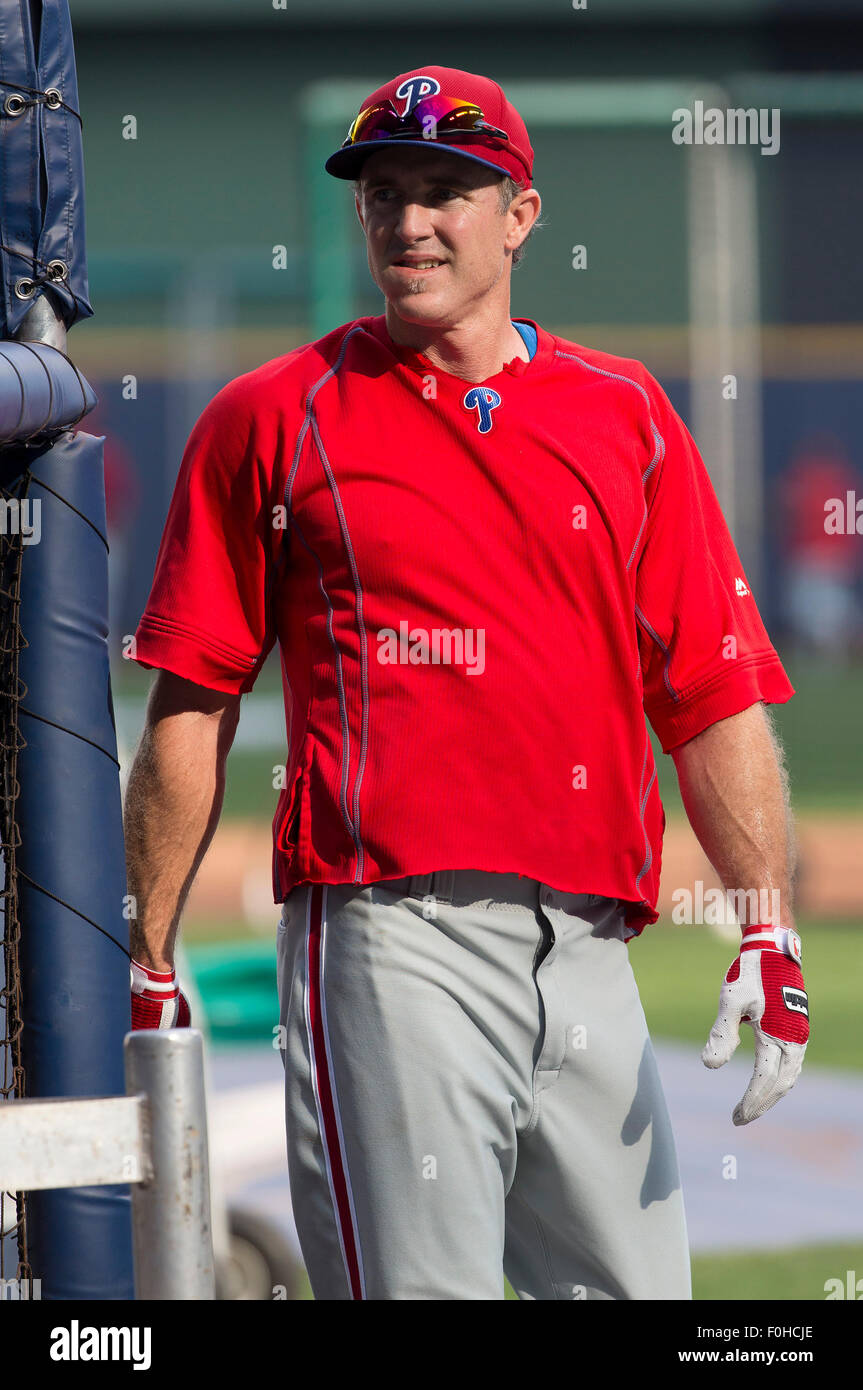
346	164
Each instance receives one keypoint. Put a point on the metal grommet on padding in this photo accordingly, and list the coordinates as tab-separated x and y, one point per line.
24	288
53	99
57	270
14	104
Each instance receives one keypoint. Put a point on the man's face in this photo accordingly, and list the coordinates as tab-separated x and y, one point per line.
435	235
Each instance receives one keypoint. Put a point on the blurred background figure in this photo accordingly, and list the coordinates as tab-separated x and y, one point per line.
122	501
822	567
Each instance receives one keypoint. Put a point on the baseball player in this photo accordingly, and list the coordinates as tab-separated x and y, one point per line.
485	554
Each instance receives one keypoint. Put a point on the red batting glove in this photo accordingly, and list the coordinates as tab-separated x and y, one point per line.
763	987
157	1001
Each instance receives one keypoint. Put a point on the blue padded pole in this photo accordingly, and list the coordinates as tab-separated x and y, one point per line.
71	860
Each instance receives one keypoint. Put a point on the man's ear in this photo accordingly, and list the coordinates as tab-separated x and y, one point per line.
358	204
527	208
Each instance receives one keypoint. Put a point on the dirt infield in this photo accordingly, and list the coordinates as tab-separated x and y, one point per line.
234	879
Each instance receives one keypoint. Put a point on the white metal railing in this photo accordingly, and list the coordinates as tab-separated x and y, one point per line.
154	1138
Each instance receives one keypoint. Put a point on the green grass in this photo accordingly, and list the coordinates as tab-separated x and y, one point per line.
667	956
249	790
783	1274
820	728
749	1277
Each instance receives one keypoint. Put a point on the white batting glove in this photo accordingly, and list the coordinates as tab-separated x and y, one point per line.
764	988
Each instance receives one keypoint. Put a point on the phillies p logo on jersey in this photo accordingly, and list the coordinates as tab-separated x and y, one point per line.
413	89
484	400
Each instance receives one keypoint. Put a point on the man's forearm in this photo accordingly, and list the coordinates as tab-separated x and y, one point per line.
735	791
172	807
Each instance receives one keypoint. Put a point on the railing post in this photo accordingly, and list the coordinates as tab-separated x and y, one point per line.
171	1216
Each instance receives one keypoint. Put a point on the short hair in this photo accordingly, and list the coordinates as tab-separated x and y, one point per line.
507	189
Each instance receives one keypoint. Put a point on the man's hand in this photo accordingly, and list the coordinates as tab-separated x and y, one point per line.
735	790
157	1000
763	987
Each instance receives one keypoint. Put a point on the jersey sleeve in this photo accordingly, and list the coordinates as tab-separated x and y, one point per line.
705	653
208	616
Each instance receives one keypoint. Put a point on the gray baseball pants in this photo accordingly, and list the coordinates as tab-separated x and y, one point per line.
470	1090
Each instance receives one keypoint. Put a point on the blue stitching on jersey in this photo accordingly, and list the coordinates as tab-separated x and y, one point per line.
658	456
659	450
364	661
675	694
331	372
616	376
648	856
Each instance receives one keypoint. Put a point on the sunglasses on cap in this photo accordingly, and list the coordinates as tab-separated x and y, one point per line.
443	114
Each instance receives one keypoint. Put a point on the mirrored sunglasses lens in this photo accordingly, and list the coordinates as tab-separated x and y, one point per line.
376	123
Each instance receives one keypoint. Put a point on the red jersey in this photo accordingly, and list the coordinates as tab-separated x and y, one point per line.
477	590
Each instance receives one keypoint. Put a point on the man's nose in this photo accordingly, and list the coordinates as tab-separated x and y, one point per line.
413	222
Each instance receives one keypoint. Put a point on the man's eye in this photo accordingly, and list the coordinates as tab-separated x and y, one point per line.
386	195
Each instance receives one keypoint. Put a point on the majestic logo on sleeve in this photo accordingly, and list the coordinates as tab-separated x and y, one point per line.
413	89
483	400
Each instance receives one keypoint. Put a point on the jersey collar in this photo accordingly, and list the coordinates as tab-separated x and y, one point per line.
377	327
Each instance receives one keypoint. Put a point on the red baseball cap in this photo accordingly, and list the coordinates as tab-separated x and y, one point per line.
508	153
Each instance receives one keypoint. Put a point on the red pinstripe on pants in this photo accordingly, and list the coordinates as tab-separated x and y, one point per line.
325	1092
